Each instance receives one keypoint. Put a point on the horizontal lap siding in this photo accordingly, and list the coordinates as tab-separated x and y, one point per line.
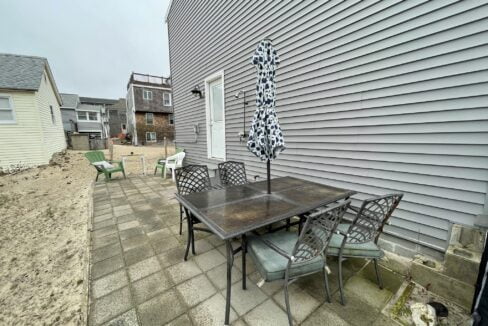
21	142
376	96
54	140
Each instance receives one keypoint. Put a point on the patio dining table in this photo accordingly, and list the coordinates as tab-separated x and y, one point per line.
233	211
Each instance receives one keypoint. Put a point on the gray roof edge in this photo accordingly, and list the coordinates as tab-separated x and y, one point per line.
46	68
53	82
167	11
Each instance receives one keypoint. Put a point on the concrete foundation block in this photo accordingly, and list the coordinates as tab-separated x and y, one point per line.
445	286
462	264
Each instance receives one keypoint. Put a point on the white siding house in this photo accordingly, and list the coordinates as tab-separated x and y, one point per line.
374	96
31	128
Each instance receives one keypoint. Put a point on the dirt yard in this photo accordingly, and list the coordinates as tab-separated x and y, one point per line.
43	238
151	153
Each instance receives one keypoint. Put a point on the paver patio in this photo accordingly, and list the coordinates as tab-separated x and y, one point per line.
138	276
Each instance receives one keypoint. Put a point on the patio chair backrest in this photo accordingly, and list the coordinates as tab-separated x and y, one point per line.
317	232
371	218
192	178
95	156
177	158
179	150
232	173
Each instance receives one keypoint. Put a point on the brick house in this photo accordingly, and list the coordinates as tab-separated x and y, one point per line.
149	109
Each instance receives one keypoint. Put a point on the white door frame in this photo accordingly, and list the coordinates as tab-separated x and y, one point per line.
208	80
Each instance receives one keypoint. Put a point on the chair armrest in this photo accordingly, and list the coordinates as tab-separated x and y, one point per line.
342	233
354	208
119	163
277	249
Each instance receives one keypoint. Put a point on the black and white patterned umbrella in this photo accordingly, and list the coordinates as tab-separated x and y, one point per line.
265	136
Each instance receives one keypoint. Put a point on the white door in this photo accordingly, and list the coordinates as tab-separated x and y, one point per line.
216	119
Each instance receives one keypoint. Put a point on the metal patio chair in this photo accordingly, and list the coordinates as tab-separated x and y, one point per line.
288	256
359	239
191	179
232	173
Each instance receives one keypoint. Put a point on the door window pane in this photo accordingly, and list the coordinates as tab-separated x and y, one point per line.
217	108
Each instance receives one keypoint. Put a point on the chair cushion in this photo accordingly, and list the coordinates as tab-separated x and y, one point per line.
272	265
367	249
103	164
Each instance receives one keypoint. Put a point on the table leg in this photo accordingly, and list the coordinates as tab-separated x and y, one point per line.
230	262
144	168
190	234
244	251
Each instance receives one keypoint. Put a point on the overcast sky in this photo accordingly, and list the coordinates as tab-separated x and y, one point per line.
92	45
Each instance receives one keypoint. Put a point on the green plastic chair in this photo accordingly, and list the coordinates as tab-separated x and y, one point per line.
162	161
97	156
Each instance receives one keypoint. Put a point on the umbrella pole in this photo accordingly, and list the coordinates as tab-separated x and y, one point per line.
268	167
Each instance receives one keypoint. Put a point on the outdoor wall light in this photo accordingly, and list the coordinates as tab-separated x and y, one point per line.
242	134
196	92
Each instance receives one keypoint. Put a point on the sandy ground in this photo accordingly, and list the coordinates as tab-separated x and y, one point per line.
151	154
43	239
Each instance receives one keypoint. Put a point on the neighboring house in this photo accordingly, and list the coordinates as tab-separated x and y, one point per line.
149	109
86	115
31	128
372	96
100	105
68	112
117	118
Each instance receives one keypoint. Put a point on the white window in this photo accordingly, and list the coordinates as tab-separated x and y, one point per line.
53	118
6	109
147	94
171	119
150	136
149	118
87	116
166	99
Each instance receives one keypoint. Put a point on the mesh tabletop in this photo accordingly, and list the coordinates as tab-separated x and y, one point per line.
235	210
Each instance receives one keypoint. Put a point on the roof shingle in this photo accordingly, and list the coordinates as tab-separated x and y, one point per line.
21	72
69	100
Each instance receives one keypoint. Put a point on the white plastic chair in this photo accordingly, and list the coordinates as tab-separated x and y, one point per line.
172	163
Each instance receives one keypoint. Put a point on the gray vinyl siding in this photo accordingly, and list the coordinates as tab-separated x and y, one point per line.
375	96
89	126
68	115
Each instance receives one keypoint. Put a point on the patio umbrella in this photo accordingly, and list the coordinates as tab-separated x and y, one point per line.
265	136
